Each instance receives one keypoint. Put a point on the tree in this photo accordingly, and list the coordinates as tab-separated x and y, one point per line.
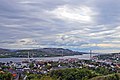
6	76
31	65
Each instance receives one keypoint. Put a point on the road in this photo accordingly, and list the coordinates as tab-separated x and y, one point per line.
17	77
25	77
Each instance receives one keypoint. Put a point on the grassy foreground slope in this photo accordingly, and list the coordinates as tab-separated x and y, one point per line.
108	77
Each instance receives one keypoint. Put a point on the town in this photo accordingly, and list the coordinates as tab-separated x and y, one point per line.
23	70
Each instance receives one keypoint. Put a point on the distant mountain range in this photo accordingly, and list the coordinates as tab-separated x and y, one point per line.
42	52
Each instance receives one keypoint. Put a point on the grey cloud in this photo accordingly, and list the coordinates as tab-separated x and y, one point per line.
108	11
32	20
7	42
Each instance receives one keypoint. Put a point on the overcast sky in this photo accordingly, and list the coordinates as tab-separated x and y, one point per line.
81	25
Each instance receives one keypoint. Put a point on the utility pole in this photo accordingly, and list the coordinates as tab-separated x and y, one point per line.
90	54
62	53
28	56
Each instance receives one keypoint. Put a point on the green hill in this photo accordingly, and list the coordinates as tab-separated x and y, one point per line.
43	52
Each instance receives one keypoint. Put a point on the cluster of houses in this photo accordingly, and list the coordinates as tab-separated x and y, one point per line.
109	59
45	66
